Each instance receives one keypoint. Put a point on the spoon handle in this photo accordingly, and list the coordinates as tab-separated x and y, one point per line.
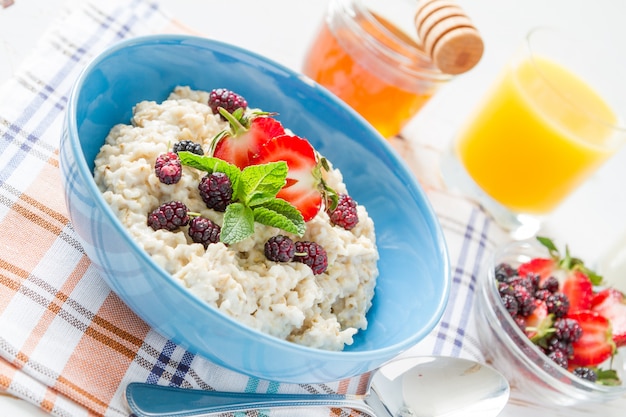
149	400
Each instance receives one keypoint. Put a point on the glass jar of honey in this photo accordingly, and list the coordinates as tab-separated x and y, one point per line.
367	53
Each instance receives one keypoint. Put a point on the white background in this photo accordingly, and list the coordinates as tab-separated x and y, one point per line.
591	221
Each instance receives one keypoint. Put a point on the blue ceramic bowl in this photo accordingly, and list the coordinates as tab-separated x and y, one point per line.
414	281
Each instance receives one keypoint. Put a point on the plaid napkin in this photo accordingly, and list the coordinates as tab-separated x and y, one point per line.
67	343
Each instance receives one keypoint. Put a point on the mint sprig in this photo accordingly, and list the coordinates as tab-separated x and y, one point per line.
254	197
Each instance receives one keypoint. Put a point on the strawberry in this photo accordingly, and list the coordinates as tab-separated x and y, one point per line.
544	267
244	138
302	189
576	281
538	322
611	303
596	344
579	290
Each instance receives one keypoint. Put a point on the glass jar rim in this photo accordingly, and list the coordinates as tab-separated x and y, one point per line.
408	64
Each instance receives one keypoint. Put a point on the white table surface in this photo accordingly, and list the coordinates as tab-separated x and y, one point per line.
590	222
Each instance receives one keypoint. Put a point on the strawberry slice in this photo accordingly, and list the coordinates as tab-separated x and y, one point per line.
245	137
596	344
544	267
611	303
579	290
303	185
538	322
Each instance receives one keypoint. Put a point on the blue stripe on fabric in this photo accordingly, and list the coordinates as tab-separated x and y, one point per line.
182	369
41	97
444	326
469	299
161	362
272	388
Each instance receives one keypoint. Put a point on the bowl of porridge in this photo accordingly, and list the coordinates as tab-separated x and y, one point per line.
260	284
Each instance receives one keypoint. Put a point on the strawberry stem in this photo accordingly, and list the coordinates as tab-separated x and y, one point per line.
236	123
568	262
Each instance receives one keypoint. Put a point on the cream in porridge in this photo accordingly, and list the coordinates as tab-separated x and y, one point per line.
283	299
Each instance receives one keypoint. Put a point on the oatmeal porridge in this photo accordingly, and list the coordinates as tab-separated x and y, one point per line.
284	299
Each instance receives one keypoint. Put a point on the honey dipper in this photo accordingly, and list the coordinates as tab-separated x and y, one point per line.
448	36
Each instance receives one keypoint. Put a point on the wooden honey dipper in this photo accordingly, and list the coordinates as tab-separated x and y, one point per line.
448	36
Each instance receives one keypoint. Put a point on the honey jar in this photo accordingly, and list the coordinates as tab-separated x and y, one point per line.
367	52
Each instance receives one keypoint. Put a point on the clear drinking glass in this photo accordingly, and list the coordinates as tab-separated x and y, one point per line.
553	116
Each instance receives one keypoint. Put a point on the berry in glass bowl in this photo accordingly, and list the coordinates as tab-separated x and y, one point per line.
548	324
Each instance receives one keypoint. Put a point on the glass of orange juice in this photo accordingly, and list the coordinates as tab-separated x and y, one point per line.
549	121
367	53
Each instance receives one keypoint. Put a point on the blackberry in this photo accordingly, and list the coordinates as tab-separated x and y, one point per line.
504	288
542	294
216	190
586	373
567	330
524	282
532	282
511	304
189	146
311	254
521	322
169	216
559	358
203	230
345	214
551	284
524	299
168	168
558	304
227	99
279	249
504	272
554	344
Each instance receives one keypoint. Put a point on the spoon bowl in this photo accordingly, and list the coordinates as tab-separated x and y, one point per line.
411	386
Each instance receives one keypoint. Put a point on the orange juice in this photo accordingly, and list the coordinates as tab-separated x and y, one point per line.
373	69
539	133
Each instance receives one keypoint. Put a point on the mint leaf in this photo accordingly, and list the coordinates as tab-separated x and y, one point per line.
238	223
260	183
209	164
281	214
254	197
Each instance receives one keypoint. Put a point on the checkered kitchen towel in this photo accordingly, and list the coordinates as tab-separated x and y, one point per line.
67	343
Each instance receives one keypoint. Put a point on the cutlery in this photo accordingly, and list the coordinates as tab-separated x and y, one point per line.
405	387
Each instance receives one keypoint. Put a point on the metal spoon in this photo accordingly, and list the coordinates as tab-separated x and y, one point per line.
404	387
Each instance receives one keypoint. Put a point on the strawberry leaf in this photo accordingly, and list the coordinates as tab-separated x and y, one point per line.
608	377
549	244
595	278
238	223
568	262
281	214
543	331
237	120
260	183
